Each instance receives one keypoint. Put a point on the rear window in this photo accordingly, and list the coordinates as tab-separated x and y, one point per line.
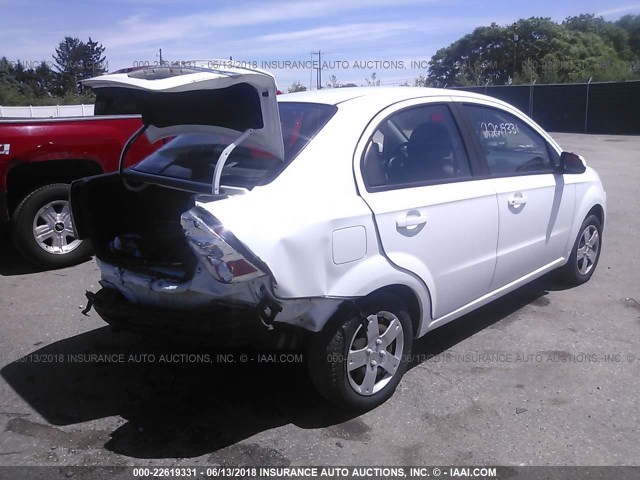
193	157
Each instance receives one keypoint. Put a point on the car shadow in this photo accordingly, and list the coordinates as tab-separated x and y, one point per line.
202	401
175	406
450	334
12	262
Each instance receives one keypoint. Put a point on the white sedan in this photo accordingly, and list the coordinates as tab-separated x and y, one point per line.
358	219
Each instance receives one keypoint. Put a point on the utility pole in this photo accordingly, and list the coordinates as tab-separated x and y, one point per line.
319	69
515	46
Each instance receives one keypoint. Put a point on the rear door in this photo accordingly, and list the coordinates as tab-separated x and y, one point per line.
535	206
433	217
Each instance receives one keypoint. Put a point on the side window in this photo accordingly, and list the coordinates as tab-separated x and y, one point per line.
509	144
416	145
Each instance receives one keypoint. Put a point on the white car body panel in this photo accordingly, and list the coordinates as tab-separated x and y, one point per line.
589	192
324	237
179	80
534	233
437	251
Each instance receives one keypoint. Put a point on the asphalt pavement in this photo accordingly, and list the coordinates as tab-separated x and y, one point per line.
544	376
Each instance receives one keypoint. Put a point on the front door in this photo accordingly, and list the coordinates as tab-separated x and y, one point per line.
535	206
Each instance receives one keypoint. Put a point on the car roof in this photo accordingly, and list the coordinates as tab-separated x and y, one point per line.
334	96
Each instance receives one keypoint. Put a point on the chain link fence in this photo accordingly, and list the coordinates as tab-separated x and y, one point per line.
596	107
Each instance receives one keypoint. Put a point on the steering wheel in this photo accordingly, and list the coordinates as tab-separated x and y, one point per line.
395	164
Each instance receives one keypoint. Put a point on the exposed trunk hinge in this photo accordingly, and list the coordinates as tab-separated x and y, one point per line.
123	154
125	148
222	159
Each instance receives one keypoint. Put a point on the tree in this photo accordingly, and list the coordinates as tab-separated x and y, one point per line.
68	60
631	25
297	87
75	61
27	84
585	22
472	60
373	81
45	79
421	81
537	49
579	56
94	63
20	85
611	33
334	82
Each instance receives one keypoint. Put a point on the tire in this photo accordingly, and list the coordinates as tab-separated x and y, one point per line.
46	211
585	253
332	350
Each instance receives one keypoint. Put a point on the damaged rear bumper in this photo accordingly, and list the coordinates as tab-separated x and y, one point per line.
219	326
148	292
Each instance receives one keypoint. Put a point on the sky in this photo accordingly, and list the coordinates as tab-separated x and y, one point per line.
395	39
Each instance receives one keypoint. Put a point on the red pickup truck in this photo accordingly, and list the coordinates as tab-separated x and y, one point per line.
39	158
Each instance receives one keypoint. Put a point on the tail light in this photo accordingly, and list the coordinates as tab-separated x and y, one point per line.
218	250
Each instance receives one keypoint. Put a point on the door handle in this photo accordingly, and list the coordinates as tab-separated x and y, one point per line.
411	221
517	200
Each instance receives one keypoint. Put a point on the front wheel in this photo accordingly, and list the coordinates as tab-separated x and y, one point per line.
360	357
42	229
585	253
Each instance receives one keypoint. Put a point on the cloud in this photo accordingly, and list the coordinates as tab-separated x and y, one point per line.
353	35
618	10
141	28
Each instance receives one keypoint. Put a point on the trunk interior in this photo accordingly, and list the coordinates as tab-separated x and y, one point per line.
140	229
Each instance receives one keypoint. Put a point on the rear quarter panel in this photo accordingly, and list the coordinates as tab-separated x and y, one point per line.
291	224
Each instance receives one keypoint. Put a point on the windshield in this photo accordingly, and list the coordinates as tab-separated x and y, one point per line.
194	156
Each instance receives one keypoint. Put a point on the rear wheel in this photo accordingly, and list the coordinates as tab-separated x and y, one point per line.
585	253
42	229
360	357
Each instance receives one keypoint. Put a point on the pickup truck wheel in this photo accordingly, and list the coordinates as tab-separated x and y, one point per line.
356	362
585	253
42	230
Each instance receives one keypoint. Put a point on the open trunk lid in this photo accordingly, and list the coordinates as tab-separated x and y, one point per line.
177	100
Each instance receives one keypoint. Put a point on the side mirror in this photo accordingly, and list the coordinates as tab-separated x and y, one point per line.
571	163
